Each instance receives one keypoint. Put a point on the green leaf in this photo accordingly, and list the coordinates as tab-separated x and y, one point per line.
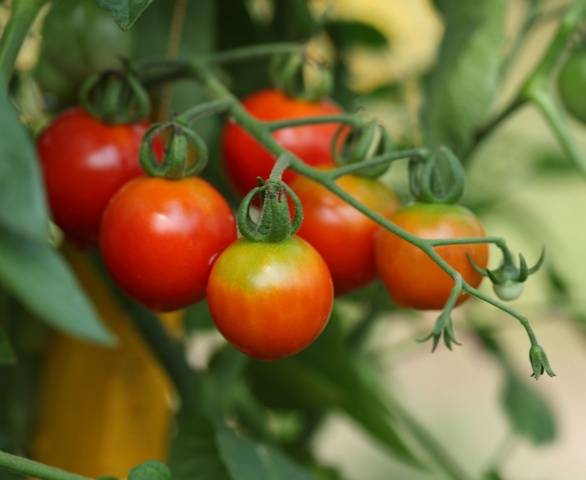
329	376
247	460
151	470
7	356
22	198
349	33
194	452
125	12
460	89
37	275
528	413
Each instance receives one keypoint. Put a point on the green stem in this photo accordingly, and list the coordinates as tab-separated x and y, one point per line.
466	241
254	52
345	118
22	15
24	466
205	110
376	161
536	82
556	121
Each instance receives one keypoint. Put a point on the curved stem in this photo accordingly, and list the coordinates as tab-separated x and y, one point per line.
376	161
345	118
24	466
205	109
22	15
438	242
254	52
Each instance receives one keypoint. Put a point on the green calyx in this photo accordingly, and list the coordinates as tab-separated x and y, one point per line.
362	144
509	278
274	222
437	177
115	96
175	163
289	75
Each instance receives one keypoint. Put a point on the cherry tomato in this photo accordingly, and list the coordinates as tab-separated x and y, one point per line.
84	163
572	84
160	237
270	300
411	277
341	234
245	159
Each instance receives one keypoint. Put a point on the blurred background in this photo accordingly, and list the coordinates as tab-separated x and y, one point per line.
519	183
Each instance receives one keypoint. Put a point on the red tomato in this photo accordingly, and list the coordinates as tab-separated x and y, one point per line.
411	277
245	159
84	163
160	237
270	300
341	234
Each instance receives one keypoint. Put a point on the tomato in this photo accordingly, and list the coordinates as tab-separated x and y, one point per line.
411	277
160	237
341	234
572	83
245	159
84	163
93	43
270	300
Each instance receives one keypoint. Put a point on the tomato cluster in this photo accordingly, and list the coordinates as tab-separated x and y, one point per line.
171	242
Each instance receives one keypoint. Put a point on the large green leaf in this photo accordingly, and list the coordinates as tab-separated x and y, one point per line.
151	470
22	198
528	413
247	460
125	12
329	376
460	89
37	275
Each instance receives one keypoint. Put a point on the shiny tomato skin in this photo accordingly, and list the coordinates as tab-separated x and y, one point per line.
245	159
411	277
84	163
341	234
270	300
159	239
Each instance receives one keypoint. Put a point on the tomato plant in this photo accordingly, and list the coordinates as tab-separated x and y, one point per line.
246	160
339	95
340	233
160	237
270	300
412	279
84	163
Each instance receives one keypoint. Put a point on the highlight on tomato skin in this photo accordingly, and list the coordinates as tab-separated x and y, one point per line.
341	234
245	159
410	276
270	300
84	163
159	239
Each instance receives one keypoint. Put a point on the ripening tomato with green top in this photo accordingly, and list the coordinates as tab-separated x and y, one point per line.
412	278
270	300
245	159
339	232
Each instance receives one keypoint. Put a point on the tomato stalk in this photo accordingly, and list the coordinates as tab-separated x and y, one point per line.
262	134
23	13
24	466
